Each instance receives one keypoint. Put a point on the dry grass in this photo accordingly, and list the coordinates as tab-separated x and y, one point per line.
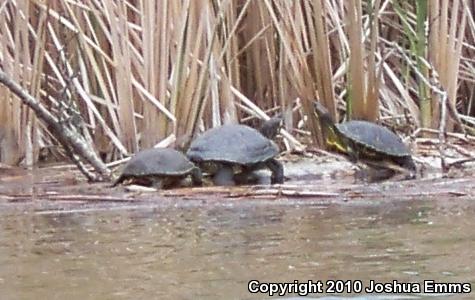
140	72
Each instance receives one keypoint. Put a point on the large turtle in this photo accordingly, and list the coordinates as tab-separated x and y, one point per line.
160	167
229	149
368	142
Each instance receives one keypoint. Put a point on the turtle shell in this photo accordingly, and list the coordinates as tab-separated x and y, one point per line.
237	144
374	137
158	161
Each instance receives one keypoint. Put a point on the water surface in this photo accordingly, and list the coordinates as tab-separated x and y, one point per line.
212	251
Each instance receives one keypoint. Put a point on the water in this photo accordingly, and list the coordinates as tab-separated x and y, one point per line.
212	251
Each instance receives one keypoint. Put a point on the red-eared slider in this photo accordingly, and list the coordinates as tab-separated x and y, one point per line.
367	142
222	150
160	167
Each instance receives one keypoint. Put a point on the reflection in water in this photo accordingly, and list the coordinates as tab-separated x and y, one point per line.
212	252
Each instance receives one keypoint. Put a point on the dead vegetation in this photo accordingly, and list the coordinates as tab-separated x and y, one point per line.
130	74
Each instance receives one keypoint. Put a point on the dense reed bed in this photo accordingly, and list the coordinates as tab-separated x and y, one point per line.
131	74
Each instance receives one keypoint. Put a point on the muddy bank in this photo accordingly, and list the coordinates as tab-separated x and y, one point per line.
324	180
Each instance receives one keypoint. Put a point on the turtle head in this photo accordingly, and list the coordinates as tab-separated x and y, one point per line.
331	134
183	142
271	127
323	114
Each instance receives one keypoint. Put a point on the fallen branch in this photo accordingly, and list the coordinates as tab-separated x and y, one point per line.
249	192
66	136
465	138
460	162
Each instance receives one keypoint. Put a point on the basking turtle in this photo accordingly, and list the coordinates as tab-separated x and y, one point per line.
368	142
160	167
225	150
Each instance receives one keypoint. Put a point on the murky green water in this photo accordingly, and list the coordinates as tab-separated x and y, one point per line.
213	251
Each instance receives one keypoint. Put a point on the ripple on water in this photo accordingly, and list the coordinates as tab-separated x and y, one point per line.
212	252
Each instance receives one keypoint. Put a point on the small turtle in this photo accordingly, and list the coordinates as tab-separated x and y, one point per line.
222	150
368	142
160	167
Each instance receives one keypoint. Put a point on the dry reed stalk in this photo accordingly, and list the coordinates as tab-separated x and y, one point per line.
142	71
445	48
356	78
319	42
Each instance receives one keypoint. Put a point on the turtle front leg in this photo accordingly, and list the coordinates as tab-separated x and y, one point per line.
352	151
197	176
277	171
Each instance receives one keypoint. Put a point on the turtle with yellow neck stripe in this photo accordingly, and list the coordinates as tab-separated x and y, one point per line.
366	142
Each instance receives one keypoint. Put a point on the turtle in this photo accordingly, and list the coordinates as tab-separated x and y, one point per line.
235	148
160	167
373	144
